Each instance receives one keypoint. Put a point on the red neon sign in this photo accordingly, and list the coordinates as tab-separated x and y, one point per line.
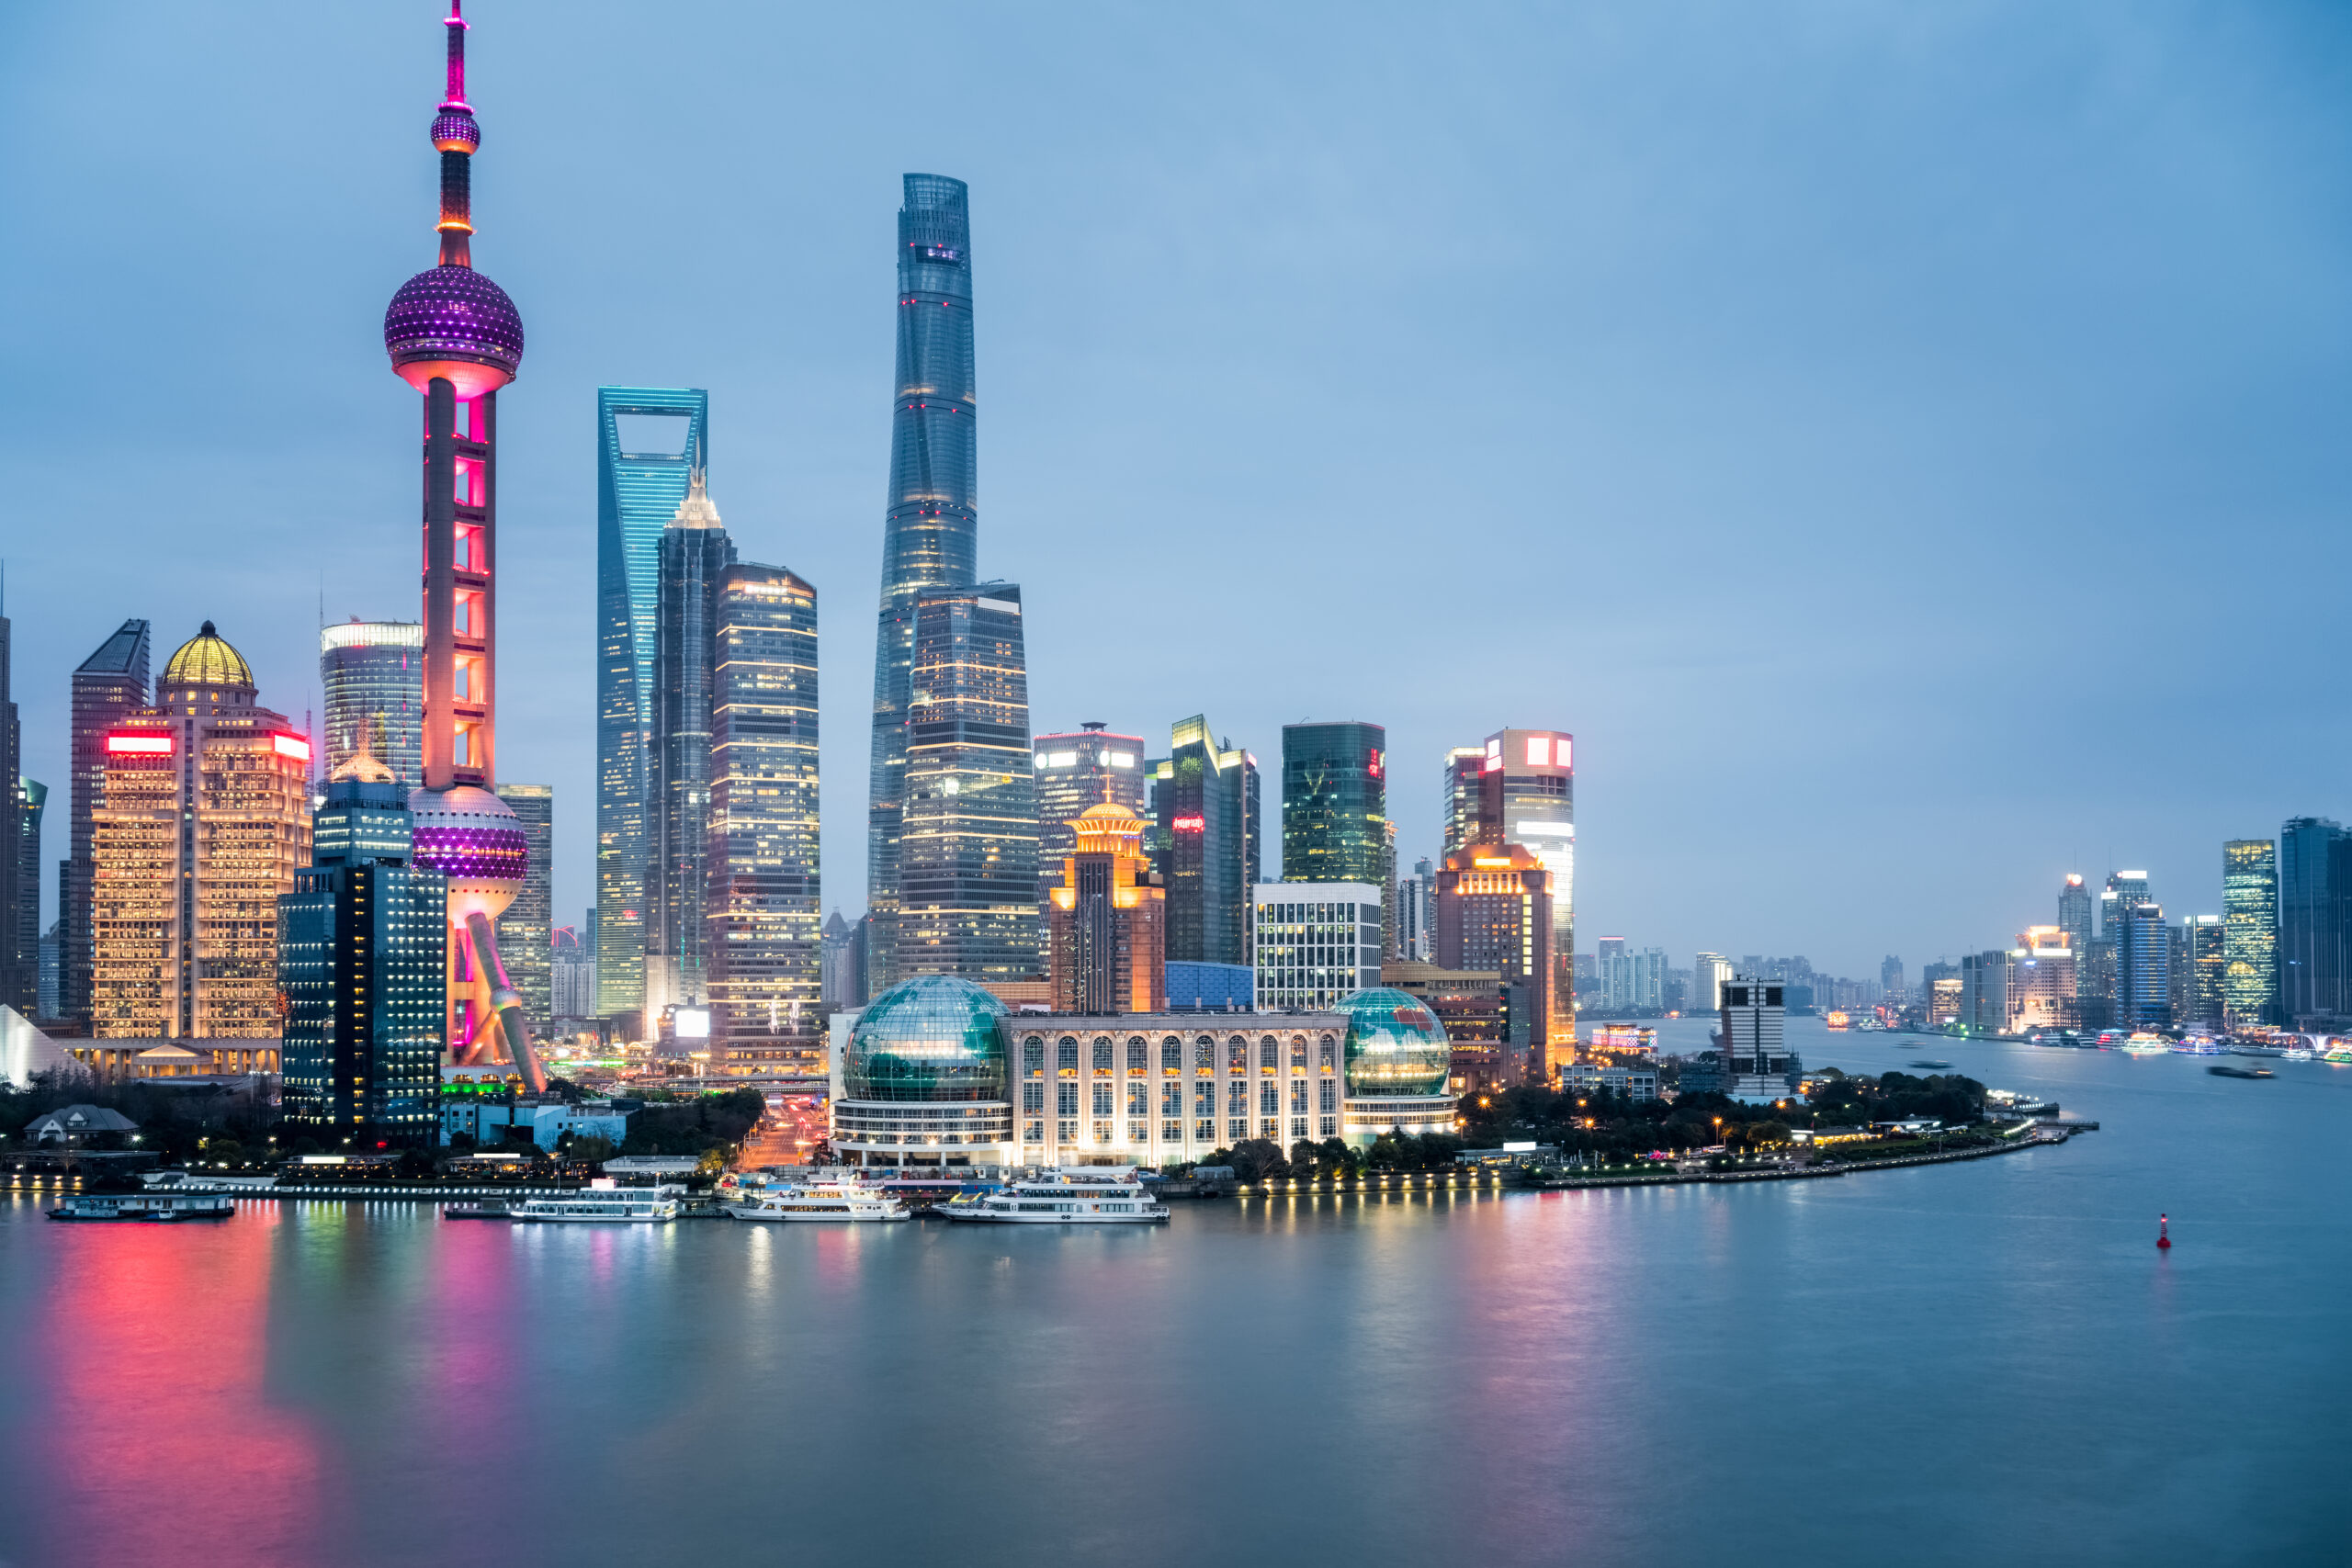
1192	825
139	745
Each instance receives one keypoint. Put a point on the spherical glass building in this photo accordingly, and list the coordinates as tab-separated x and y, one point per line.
1396	1057
921	1080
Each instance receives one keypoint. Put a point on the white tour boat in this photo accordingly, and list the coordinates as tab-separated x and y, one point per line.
147	1205
833	1199
603	1201
1086	1195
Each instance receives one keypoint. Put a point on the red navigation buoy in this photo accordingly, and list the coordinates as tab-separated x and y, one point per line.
2164	1241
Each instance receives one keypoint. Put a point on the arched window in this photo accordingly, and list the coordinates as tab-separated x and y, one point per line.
1237	1055
1102	1055
1172	1054
1065	1055
1139	1057
1204	1053
1032	1056
1329	1052
1298	1052
1269	1053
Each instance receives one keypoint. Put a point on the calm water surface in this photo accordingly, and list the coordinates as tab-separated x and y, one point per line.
1954	1364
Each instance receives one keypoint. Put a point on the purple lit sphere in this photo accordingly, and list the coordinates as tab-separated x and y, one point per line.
453	322
456	132
474	839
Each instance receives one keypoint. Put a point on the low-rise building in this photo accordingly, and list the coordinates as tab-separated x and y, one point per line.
485	1120
117	1061
1637	1083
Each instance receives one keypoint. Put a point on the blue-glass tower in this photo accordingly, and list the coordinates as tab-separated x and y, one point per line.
649	441
930	536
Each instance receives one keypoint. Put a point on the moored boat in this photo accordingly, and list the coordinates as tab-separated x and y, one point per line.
148	1205
603	1201
1083	1196
836	1201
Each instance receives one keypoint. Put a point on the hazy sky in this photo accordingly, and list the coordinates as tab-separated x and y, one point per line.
1906	445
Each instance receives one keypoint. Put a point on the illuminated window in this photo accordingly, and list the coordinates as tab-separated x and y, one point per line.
1539	750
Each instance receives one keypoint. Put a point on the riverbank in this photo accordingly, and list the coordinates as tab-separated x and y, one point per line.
2042	1136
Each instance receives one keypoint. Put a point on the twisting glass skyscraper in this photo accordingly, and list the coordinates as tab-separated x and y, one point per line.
930	536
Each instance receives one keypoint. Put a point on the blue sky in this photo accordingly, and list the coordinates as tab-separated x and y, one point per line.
1906	445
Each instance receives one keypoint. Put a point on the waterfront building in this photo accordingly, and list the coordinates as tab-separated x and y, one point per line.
371	676
2041	982
1204	801
1335	803
1984	991
1314	943
109	687
2144	970
204	822
1073	773
32	803
1527	796
1635	1082
966	859
361	961
695	554
455	337
2076	912
1459	808
2200	969
1195	987
1494	912
1108	920
1473	1006
650	441
1939	992
2310	934
2250	932
1710	972
2094	979
931	533
524	931
1757	1066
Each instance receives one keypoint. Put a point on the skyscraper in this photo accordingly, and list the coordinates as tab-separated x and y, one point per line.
1205	797
32	800
1527	796
967	850
840	988
764	891
1108	920
695	553
649	441
1466	767
2094	974
204	823
525	930
455	337
19	960
1494	912
371	675
109	687
1710	972
1314	942
931	533
2250	931
1890	980
1335	803
361	964
2310	940
2143	969
1075	772
2199	965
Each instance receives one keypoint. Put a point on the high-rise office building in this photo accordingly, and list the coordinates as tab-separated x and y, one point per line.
649	441
694	555
204	823
838	984
1757	1066
361	961
32	802
19	961
967	850
571	972
2076	912
1106	922
2250	931
371	675
525	929
1494	912
109	687
931	533
1415	914
1335	803
1074	774
765	891
2199	965
1459	807
1204	797
1710	972
1985	990
2041	982
2143	969
1527	796
1314	942
2310	936
2077	920
1890	980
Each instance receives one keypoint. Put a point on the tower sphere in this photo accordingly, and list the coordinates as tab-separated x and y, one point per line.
474	839
453	322
455	131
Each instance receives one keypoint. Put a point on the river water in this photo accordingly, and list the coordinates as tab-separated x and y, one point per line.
1946	1365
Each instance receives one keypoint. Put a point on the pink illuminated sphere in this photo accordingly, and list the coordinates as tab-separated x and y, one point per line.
453	322
475	839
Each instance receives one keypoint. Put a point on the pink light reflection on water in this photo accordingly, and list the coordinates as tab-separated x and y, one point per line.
160	1441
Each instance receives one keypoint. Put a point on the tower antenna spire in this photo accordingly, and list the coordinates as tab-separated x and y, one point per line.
456	136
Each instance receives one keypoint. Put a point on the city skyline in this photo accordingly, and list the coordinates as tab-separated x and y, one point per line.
1862	644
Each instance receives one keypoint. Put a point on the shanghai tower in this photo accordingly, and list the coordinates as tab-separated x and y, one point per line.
929	538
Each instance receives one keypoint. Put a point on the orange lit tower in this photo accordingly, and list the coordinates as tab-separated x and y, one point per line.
455	337
1107	923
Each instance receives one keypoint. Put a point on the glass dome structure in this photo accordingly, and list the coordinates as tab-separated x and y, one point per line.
929	1038
1396	1046
206	659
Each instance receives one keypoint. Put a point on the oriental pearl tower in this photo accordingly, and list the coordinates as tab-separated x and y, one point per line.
454	336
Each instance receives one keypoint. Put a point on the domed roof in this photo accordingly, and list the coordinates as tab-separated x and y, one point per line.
1396	1045
932	1037
206	659
454	313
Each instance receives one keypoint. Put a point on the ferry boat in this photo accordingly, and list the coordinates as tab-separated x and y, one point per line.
2299	1053
145	1206
833	1200
605	1202
1086	1196
1836	1021
2146	1044
2201	1045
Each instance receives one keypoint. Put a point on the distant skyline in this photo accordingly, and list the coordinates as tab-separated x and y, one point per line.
1894	444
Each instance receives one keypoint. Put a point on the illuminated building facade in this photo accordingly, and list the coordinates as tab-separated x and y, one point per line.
2311	891
1107	921
650	442
32	804
1527	796
1757	1066
764	892
1473	1007
2041	982
1206	839
361	959
108	687
1465	768
454	336
2250	932
203	823
1314	943
371	675
966	861
695	553
2200	964
1335	803
2144	970
930	536
1073	773
1708	972
525	930
1494	912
